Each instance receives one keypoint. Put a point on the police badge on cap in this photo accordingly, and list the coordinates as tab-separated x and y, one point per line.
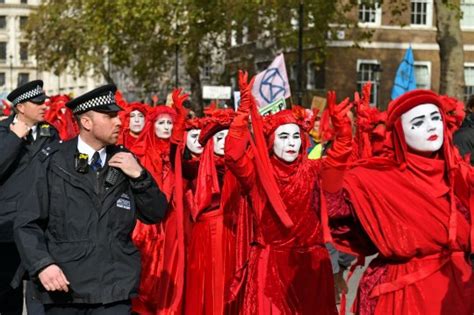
100	100
28	92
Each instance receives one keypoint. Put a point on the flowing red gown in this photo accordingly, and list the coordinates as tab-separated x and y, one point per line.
211	252
416	213
289	270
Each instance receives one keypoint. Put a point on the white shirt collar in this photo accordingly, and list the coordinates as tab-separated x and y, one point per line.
83	147
33	129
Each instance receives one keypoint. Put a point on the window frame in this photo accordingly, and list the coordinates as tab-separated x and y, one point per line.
471	87
428	65
467	27
375	84
429	14
378	14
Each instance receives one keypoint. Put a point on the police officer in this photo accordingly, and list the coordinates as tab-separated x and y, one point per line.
22	136
73	229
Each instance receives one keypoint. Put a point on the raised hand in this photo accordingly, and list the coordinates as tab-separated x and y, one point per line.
338	113
20	128
178	101
127	163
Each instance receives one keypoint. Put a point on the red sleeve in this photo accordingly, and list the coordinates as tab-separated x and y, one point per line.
239	160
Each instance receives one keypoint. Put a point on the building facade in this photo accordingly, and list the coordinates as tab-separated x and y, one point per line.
349	64
18	66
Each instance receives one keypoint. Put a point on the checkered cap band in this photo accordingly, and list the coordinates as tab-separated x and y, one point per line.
102	100
28	95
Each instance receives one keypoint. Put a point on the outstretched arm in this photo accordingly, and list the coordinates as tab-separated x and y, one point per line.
237	154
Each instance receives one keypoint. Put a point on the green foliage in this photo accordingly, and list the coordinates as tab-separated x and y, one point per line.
140	36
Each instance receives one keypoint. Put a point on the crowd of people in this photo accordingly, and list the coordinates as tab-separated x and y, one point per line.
111	207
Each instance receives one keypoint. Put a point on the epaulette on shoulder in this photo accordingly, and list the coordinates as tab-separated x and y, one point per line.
48	150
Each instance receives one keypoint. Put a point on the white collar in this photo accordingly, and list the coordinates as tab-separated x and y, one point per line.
83	147
33	128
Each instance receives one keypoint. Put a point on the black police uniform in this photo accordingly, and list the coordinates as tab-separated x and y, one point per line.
81	220
15	155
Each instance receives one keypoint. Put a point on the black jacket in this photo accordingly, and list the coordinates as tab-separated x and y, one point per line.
464	137
72	220
15	154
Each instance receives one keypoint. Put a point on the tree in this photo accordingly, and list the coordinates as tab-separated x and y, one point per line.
451	53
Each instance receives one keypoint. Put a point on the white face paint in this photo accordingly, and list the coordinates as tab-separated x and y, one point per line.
219	141
423	128
287	142
137	121
163	126
192	142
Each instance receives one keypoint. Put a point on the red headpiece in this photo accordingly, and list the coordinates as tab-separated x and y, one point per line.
296	115
219	119
195	123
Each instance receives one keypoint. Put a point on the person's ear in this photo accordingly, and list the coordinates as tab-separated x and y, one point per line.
20	108
86	122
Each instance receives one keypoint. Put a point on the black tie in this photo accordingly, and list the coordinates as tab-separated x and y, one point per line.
29	137
96	163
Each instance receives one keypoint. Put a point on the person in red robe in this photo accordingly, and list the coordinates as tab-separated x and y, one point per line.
153	151
289	269
61	117
412	205
133	122
211	251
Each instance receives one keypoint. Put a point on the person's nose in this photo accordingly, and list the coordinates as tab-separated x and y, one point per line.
291	142
117	121
430	126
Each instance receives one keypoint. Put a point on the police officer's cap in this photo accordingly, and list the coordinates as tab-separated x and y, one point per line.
31	91
101	99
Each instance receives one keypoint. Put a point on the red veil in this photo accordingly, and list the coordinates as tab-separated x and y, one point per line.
153	154
61	117
126	138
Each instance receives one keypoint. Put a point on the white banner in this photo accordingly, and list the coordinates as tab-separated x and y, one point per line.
272	84
216	92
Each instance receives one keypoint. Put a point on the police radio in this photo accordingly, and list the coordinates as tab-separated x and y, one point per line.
113	173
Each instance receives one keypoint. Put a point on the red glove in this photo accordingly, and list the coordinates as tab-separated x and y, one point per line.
179	125
239	126
338	155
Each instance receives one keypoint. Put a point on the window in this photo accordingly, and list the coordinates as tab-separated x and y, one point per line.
23	22
423	75
467	8
469	80
3	52
23	78
2	78
207	70
369	70
370	12
294	72
24	1
3	22
24	51
315	76
421	12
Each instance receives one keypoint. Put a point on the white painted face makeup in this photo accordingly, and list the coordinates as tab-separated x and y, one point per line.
423	128
192	142
219	141
164	126
287	143
137	121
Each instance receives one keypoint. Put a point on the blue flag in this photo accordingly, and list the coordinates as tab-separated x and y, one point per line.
405	79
